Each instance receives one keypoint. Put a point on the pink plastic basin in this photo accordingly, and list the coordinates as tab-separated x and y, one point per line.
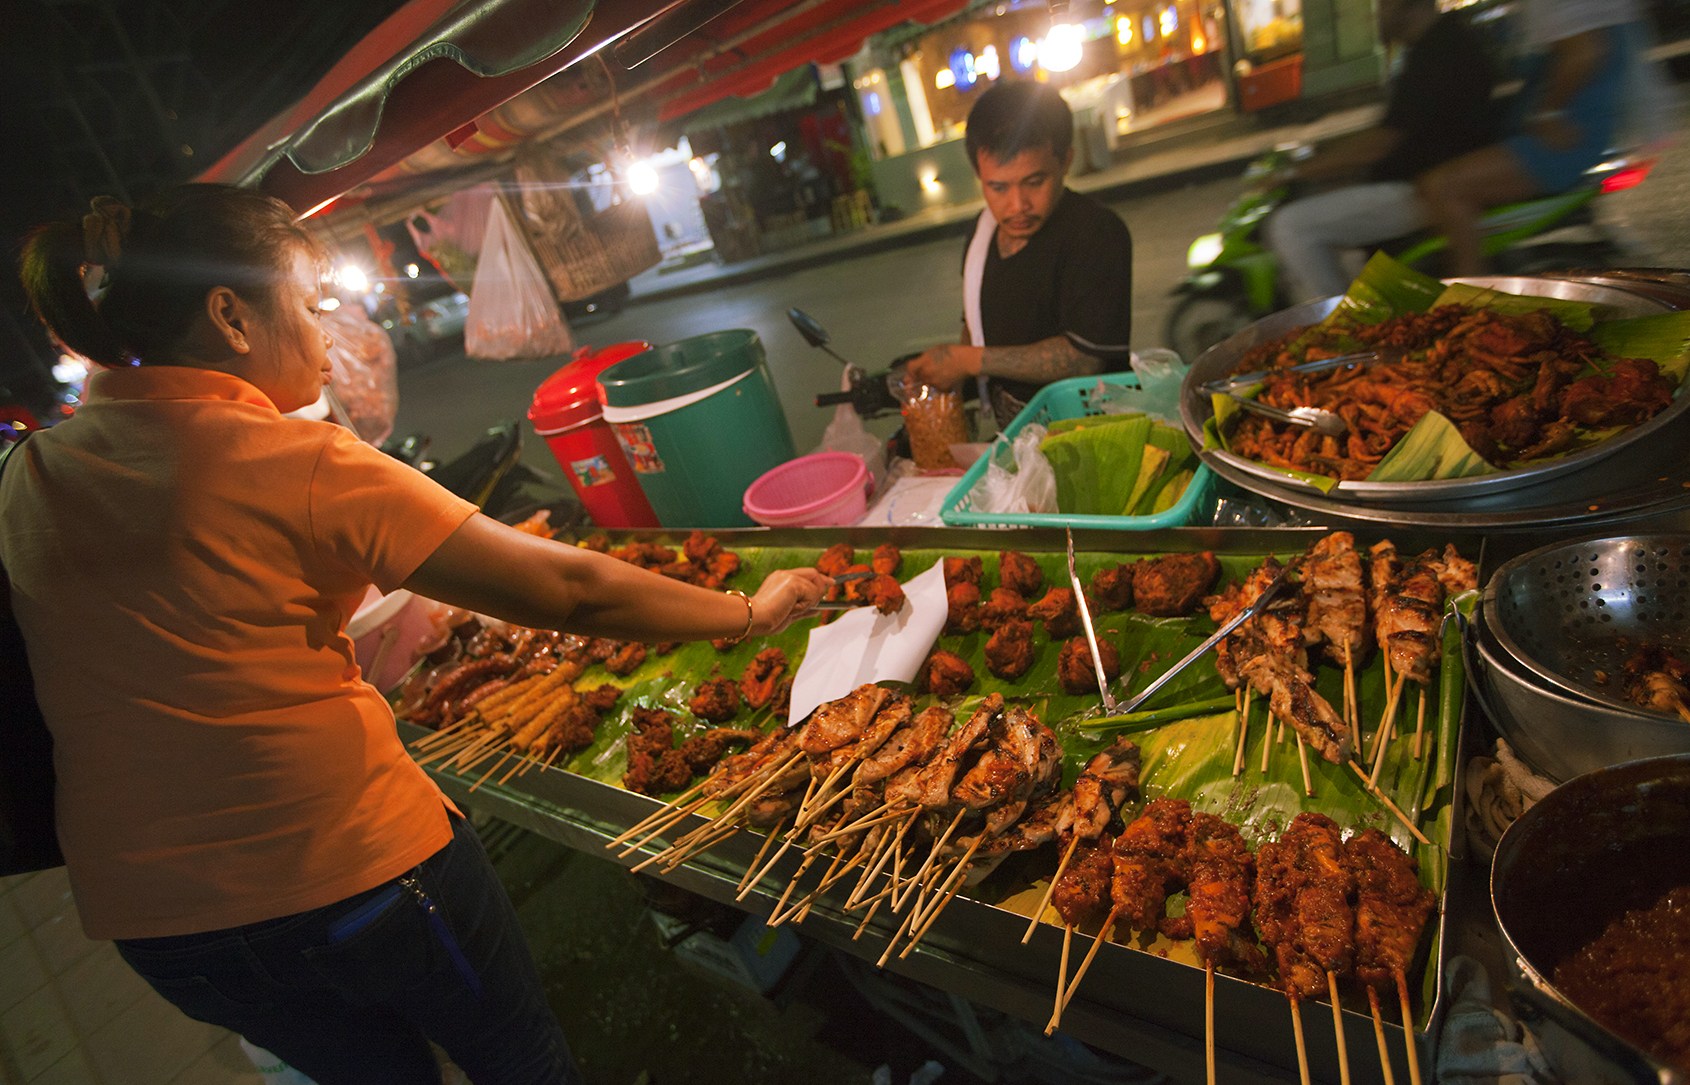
818	490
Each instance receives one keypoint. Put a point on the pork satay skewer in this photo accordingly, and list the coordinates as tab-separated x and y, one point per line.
1338	1030
1044	901
1379	1036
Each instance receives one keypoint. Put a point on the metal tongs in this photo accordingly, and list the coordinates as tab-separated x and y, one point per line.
1091	634
1196	653
846	604
1366	359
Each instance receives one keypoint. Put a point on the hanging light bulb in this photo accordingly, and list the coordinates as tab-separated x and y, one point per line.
1062	48
642	178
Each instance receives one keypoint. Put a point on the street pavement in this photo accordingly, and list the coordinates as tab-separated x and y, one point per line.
881	304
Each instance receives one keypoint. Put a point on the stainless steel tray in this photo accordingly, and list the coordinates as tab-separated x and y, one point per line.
1218	361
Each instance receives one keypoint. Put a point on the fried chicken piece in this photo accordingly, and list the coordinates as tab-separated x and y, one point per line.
963	571
1074	665
598	543
1112	588
780	705
700	548
762	675
627	659
945	674
836	559
602	698
664	648
717	699
647	555
573	730
1060	612
652	762
885	594
703	750
1004	606
599	649
1515	422
1009	652
886	559
963	603
853	589
1170	586
1632	391
1019	573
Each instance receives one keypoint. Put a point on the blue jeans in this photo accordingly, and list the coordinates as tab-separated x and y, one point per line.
351	993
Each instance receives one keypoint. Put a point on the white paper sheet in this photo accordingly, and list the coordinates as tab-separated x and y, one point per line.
864	645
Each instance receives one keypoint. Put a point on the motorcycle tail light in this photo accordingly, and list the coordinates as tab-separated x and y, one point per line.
1630	177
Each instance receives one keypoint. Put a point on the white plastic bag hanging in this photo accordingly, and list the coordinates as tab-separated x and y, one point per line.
365	373
1018	478
846	433
511	312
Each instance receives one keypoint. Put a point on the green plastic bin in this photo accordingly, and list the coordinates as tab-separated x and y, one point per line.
699	421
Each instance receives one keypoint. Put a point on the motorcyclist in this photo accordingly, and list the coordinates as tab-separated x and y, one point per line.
1047	276
1439	108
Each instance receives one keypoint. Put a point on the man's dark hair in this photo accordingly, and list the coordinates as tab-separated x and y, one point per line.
1016	116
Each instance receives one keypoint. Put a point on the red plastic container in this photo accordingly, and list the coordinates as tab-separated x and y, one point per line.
566	412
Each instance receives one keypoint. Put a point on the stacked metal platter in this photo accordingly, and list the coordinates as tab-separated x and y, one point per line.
1559	624
1643	472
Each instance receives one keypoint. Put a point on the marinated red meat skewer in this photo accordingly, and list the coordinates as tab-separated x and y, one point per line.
1391	912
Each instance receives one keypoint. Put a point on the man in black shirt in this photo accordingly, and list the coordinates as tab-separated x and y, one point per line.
1440	108
1047	276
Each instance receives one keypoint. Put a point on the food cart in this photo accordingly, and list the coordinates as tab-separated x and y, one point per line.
1145	1004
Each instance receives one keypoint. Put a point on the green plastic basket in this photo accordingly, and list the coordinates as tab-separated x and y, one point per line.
1069	398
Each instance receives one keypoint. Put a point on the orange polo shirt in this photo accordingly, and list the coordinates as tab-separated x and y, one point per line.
183	561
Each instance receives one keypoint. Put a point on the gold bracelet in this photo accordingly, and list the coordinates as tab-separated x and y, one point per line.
750	616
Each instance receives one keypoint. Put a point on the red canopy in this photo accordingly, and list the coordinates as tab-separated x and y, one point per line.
424	90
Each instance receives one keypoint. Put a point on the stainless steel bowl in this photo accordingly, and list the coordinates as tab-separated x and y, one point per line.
1562	736
1599	845
1571	614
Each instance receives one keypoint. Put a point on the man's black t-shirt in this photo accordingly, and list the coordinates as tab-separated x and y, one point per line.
1441	101
1074	277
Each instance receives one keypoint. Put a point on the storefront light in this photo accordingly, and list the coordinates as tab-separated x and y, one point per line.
963	69
329	305
872	103
1170	20
944	79
642	178
1124	30
69	370
930	182
1198	44
988	63
1149	28
778	151
353	278
1062	48
412	270
1023	53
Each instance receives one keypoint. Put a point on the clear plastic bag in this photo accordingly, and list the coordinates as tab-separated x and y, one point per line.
1018	478
847	434
511	311
935	421
365	377
1161	374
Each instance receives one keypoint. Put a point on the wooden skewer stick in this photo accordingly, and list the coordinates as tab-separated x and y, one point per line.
662	826
1050	890
909	921
1349	691
859	825
547	763
1267	747
1419	725
1387	729
821	887
1338	1030
1389	805
436	737
492	770
873	865
1209	1019
662	812
1379	1036
526	759
1280	736
1382	735
753	790
861	927
920	875
768	842
949	889
1243	732
791	835
1102	937
777	917
1408	1030
1303	759
824	797
1302	1048
1061	979
707	843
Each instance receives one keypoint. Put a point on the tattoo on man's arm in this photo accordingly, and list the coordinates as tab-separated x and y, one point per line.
1040	363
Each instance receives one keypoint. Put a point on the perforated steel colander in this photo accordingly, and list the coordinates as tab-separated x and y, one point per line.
1573	613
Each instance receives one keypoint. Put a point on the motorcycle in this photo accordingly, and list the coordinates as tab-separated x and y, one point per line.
1234	277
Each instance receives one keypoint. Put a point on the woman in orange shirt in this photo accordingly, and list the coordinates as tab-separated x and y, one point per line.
234	805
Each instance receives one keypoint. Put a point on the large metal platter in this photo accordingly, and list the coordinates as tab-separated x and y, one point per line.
1640	481
1218	361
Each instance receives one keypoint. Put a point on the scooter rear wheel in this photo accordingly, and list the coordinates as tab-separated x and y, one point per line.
1199	321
